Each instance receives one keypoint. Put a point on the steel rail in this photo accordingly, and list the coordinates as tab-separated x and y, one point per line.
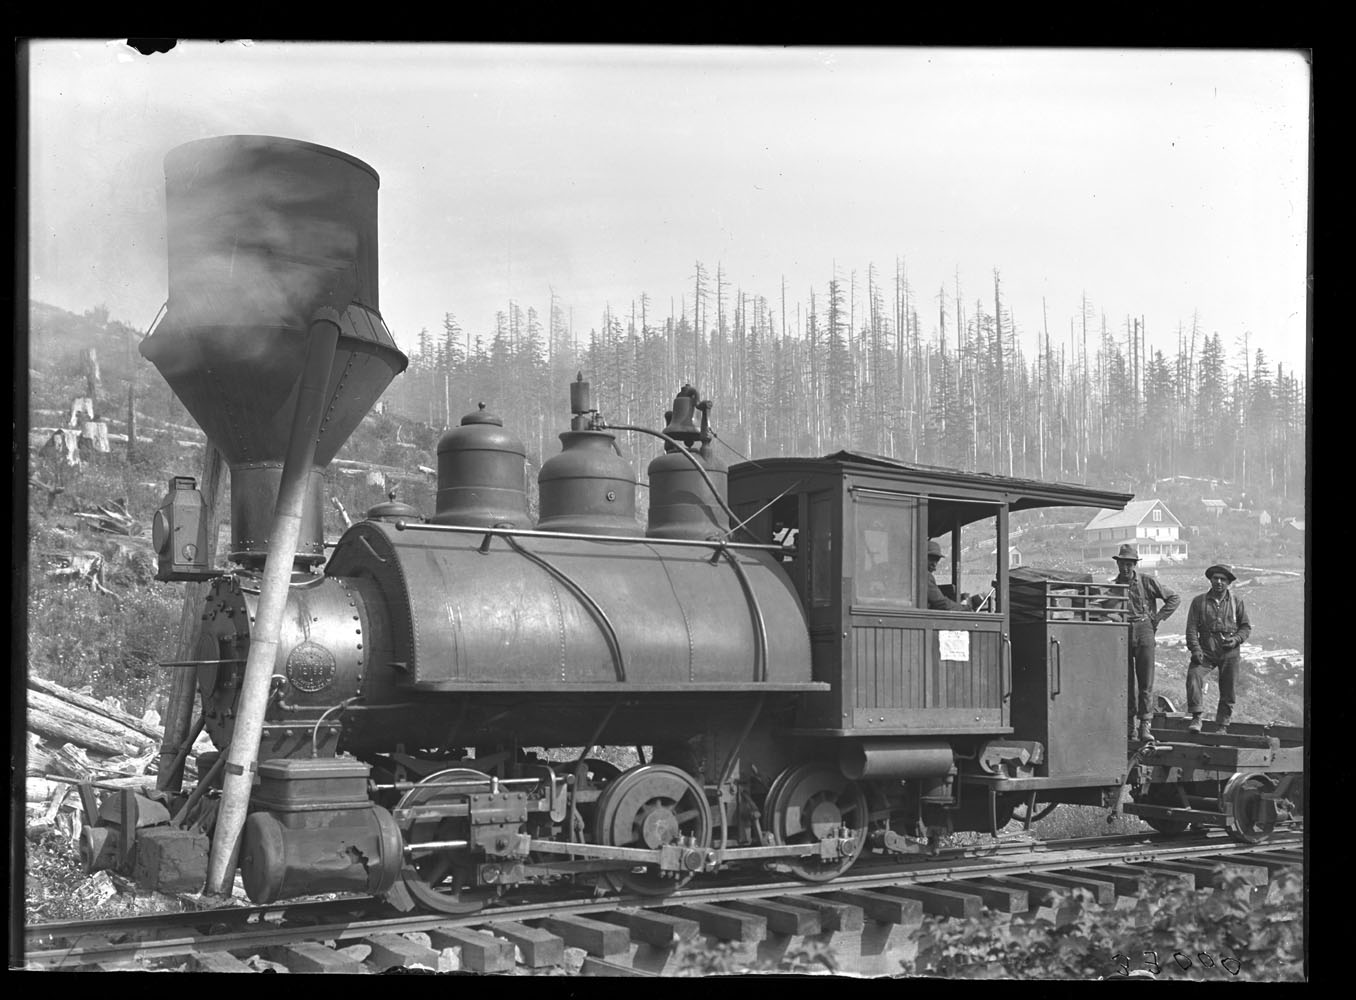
258	939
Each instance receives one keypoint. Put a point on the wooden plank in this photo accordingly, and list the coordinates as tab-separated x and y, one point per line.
997	897
1276	861
537	948
599	967
216	961
308	956
882	908
727	925
833	915
662	930
480	952
1103	892
1127	880
939	901
1176	867
391	951
782	918
595	936
1215	872
1037	892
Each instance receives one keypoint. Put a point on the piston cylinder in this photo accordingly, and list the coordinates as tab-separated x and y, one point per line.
316	831
895	759
482	479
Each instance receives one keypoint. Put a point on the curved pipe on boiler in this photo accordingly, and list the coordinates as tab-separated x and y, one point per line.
759	624
593	607
683	450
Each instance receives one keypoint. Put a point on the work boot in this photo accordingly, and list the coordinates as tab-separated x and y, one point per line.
1146	729
1196	724
1222	727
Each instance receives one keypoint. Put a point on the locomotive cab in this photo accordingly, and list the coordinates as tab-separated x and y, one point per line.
856	531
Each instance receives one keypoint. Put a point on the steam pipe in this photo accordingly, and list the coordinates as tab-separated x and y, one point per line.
322	342
695	464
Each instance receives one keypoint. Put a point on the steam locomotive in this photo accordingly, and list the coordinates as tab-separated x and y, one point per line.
393	719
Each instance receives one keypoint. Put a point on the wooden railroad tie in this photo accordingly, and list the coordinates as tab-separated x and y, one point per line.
597	937
480	952
722	923
660	930
537	948
882	907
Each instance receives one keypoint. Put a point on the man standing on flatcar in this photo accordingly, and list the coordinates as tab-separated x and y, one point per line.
1145	593
1217	624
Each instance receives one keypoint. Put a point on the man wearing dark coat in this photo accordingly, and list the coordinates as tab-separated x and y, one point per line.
937	601
1145	593
1216	626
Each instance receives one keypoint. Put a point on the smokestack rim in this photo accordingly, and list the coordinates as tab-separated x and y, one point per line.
264	141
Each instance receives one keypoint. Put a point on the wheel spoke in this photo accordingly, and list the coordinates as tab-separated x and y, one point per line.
652	802
807	795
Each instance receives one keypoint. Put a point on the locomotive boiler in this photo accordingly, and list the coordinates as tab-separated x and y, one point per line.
420	715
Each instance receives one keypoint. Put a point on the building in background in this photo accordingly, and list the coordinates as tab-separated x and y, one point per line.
1146	524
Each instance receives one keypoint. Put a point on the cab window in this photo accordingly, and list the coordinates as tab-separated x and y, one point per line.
885	570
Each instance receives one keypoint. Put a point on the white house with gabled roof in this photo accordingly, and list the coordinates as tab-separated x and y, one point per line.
1146	524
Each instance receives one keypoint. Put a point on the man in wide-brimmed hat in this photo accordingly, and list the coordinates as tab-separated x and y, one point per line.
1145	593
1216	626
937	601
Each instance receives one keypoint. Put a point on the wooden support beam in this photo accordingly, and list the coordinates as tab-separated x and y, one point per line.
1215	872
1103	892
996	896
537	948
479	952
782	918
881	907
662	930
595	936
391	951
833	915
1128	881
727	925
308	956
940	902
216	961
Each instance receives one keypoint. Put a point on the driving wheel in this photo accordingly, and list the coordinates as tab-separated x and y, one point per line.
649	807
809	802
441	880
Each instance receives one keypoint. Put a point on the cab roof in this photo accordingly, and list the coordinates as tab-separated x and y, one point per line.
1019	494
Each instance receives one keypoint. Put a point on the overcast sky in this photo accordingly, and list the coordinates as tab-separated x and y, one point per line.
1161	183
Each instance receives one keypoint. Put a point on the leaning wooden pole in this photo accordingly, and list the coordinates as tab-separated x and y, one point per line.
243	753
184	680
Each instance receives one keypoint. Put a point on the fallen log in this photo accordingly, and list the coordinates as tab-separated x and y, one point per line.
60	720
97	707
55	728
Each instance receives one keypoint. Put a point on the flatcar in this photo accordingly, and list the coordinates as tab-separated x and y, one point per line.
392	716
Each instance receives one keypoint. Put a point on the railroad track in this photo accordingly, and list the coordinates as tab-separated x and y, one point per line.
865	918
